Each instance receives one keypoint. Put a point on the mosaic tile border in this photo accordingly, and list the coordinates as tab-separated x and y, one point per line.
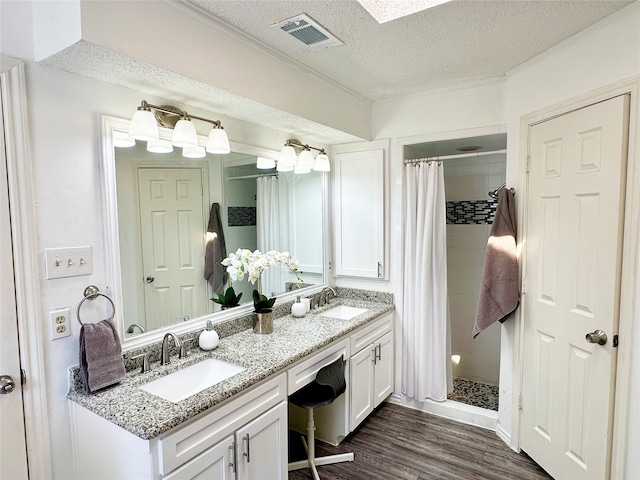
241	216
471	212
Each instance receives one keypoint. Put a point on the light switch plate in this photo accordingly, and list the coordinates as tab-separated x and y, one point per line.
68	262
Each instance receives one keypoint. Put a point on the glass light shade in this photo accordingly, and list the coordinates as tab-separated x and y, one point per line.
184	134
306	159
194	152
301	169
283	167
143	126
218	142
159	146
287	156
322	163
122	140
265	163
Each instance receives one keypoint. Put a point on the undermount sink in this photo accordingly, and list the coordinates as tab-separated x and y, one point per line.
343	312
191	380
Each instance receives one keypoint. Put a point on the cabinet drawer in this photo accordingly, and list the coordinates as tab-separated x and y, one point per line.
370	333
303	373
186	442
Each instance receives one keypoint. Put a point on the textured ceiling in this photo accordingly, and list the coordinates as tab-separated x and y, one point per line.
447	44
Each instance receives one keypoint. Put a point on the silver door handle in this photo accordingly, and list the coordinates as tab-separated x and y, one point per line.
232	464
379	270
379	351
598	337
150	279
7	385
248	452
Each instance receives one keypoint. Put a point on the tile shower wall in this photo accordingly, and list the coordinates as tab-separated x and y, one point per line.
469	217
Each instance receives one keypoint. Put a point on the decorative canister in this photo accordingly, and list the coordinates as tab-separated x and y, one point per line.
263	323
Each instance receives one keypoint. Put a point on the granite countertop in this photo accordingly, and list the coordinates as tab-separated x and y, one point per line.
149	416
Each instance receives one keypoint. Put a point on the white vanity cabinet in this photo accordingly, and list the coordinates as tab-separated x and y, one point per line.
371	366
244	438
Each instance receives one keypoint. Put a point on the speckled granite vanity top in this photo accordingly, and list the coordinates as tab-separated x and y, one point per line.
149	416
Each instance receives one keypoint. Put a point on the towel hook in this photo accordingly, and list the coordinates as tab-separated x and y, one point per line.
91	293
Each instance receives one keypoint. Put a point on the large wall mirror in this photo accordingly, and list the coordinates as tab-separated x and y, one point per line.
164	212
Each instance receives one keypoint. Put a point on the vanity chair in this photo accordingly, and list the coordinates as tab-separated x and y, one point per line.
328	385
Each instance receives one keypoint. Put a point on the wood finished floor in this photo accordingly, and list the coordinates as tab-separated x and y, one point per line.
400	443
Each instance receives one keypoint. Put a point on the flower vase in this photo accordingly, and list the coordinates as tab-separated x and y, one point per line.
263	323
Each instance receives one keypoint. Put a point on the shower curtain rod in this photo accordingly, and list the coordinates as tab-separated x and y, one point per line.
451	157
245	177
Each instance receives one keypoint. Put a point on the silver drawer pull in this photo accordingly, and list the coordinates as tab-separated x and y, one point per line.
248	452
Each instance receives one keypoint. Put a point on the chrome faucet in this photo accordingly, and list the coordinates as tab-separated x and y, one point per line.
164	356
133	326
324	299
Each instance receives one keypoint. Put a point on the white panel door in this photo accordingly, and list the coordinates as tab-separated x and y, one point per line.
573	259
13	452
359	207
172	226
262	446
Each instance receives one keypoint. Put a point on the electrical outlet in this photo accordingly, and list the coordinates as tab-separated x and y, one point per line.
59	321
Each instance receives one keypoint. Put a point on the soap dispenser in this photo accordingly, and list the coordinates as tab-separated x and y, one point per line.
208	339
298	309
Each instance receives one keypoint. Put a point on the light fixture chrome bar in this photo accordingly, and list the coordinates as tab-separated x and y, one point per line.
179	113
295	143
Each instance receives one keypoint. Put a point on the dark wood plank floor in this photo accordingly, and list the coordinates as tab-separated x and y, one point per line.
400	443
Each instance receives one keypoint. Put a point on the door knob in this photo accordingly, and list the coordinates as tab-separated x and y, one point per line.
150	279
7	385
598	337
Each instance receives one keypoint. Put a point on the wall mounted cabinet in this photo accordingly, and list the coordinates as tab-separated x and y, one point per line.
359	217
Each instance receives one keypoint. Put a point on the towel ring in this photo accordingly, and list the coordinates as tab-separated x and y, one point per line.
91	293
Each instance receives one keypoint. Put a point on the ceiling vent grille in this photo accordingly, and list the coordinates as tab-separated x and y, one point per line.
309	32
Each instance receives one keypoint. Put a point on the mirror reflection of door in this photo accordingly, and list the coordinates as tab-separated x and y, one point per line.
171	216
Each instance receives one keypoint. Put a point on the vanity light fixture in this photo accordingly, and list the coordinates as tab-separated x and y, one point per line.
303	163
159	146
144	126
122	140
265	163
194	152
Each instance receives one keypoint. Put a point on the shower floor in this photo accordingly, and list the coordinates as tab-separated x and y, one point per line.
474	393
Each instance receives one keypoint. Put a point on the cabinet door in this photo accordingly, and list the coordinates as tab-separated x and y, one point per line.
216	463
359	213
262	446
383	369
361	386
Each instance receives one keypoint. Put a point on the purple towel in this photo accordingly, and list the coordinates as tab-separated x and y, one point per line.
101	361
215	251
499	294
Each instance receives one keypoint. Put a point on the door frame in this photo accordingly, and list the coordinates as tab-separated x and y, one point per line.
630	255
27	271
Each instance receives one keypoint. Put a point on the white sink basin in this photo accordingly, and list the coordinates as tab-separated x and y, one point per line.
191	380
343	312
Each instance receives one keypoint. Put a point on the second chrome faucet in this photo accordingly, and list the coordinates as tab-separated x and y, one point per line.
165	356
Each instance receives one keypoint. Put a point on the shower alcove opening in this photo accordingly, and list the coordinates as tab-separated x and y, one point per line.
473	167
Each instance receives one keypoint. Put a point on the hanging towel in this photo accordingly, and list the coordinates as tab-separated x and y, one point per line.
101	361
215	251
499	294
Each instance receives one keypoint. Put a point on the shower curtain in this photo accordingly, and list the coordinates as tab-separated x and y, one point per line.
426	353
273	198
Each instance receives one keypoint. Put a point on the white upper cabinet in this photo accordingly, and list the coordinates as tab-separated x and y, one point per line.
358	220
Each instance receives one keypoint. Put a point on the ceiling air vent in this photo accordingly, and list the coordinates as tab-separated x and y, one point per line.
309	32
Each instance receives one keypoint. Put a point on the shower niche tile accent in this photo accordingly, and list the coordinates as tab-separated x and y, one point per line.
241	216
471	212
